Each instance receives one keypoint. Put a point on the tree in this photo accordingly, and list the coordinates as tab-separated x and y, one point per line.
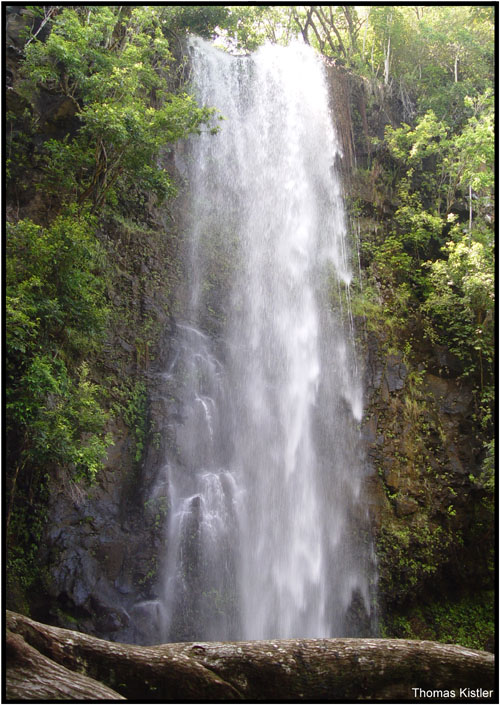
114	64
291	669
461	303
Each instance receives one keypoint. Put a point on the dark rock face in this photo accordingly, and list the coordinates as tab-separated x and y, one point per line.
450	397
56	113
395	372
104	542
424	459
17	21
404	506
98	550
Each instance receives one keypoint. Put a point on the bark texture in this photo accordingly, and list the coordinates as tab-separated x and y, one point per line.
32	676
47	662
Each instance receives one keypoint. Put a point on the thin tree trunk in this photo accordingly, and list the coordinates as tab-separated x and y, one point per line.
347	9
12	494
321	43
470	211
303	30
387	62
323	21
283	670
364	41
47	17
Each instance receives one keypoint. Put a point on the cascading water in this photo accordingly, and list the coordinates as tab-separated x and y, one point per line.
267	529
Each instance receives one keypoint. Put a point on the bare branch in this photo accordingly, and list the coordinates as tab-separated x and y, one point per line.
48	15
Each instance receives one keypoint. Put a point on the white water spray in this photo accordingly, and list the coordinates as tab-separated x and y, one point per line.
267	529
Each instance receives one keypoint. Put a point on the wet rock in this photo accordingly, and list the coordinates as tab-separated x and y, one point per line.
16	103
454	463
99	553
374	367
18	20
395	372
123	585
369	431
57	113
450	397
404	506
108	619
357	617
111	554
393	478
445	362
148	618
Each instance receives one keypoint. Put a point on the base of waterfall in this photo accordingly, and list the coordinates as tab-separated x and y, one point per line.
50	663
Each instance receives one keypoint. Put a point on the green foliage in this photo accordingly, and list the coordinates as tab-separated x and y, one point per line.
203	20
247	27
156	508
440	166
62	418
457	59
428	268
54	293
487	476
431	57
55	320
388	318
408	555
461	302
135	416
55	315
468	621
114	64
447	263
25	532
470	163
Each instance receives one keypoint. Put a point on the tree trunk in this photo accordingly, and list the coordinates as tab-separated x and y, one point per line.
324	23
35	677
11	495
353	30
387	62
470	211
45	662
303	30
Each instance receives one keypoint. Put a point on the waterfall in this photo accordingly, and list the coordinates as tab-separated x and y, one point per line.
267	527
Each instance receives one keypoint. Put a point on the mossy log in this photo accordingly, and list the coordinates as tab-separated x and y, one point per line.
45	662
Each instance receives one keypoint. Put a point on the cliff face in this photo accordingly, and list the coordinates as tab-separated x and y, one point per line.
422	441
99	554
103	544
99	551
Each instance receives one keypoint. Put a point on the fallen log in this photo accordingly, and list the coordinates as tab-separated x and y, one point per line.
289	669
35	677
